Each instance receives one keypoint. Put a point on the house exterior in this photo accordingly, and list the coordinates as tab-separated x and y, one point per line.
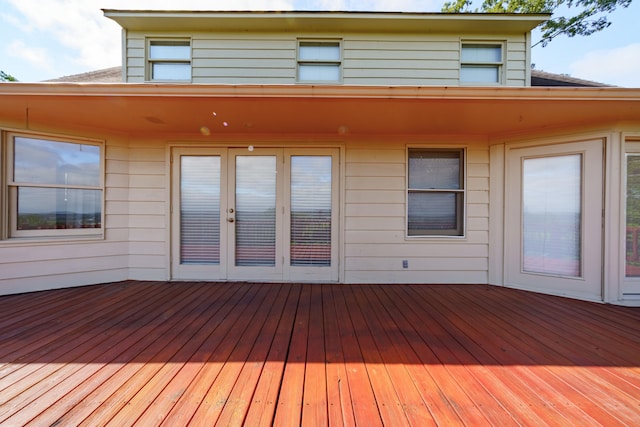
322	147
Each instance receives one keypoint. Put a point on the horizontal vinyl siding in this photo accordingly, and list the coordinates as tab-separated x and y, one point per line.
27	266
260	59
375	243
516	59
147	220
401	61
375	59
135	58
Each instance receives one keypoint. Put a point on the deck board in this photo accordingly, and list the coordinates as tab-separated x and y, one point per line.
339	402
265	398
155	353
487	344
314	398
290	398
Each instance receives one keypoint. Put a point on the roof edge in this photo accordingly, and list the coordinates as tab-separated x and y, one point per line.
321	20
314	91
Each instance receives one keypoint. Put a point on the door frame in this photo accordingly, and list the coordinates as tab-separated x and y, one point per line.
196	271
590	286
229	221
309	274
286	272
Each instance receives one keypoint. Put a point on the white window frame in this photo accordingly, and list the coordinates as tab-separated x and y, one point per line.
150	62
319	42
9	187
632	149
461	213
498	65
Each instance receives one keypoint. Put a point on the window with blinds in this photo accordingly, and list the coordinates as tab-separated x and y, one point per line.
481	63
200	210
435	192
169	60
319	61
311	211
552	215
255	216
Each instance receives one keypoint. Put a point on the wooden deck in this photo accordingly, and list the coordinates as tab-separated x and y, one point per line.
239	353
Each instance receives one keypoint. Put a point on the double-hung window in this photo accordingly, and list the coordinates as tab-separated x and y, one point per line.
54	187
169	60
481	63
319	61
435	194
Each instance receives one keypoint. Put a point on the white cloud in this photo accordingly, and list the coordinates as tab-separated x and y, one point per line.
619	66
93	41
13	20
77	25
37	57
79	38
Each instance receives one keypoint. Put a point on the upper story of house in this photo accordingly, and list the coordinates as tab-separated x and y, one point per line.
335	48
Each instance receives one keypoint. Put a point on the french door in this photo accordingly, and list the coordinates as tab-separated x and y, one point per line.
264	214
553	230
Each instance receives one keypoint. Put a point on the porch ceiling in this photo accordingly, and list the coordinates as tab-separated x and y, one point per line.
227	110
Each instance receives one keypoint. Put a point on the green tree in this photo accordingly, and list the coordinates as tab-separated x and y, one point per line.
4	77
584	17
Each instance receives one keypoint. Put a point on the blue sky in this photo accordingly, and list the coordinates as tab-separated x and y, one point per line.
44	39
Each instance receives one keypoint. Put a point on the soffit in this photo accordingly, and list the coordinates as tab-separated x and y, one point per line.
298	110
340	22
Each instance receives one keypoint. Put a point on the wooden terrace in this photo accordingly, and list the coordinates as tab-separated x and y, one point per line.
187	353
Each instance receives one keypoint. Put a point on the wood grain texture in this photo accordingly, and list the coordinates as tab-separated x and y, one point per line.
197	353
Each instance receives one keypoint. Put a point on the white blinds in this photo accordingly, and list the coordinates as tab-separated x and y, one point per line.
435	194
255	215
311	211
552	215
319	61
170	59
480	73
200	210
319	72
632	266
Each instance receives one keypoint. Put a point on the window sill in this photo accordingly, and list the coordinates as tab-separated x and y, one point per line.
169	81
51	240
435	238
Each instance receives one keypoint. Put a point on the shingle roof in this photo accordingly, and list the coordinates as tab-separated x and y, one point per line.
543	78
106	75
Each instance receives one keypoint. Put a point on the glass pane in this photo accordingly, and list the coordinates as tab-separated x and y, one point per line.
311	211
552	215
58	208
169	50
255	211
479	74
434	213
633	216
319	72
319	52
481	53
39	161
171	71
430	169
200	210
